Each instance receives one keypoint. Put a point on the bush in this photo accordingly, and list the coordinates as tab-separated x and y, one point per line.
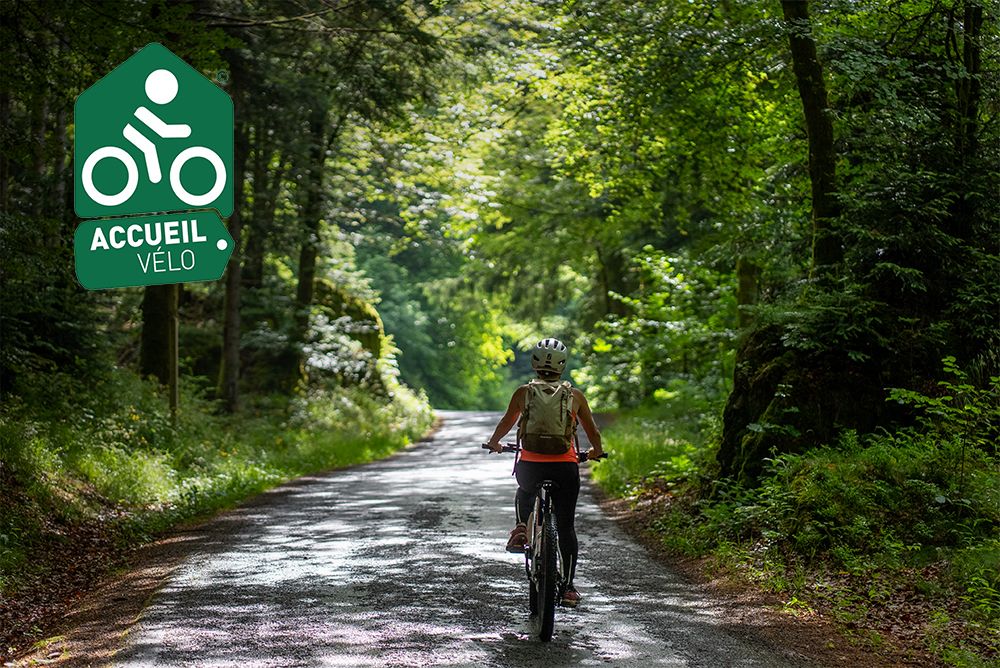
879	499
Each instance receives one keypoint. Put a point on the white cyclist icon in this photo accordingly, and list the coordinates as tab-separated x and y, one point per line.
161	88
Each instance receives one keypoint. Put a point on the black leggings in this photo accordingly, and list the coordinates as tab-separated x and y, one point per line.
567	476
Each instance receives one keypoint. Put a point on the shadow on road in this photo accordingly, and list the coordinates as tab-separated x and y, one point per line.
401	563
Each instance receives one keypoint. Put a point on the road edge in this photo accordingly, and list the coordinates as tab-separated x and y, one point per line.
96	627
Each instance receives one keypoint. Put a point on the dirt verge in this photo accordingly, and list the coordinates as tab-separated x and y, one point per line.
96	627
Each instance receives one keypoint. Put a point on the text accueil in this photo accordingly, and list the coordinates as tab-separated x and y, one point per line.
155	236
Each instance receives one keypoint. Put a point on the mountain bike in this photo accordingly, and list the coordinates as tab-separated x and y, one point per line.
542	561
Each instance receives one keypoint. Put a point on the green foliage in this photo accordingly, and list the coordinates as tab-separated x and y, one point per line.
677	327
47	322
663	443
877	500
485	175
643	456
964	412
852	527
976	569
452	341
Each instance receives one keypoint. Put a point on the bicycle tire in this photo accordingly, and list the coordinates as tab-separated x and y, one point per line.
547	581
532	590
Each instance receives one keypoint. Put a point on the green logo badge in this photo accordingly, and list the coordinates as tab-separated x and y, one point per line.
153	136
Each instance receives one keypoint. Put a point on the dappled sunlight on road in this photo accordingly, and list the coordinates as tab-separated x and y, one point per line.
401	563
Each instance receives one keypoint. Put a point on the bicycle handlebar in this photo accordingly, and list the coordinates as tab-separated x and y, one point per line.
511	447
504	447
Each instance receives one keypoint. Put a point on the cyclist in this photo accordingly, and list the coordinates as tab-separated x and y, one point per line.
549	456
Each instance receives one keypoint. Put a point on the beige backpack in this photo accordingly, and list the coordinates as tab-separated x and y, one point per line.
547	424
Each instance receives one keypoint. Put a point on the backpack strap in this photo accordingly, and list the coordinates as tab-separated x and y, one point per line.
567	390
523	420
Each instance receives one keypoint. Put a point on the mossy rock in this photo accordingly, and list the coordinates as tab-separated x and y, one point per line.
277	362
366	327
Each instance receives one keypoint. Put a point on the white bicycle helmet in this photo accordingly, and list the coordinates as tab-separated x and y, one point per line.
549	356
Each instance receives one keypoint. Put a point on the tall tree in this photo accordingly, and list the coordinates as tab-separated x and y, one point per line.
312	214
231	331
159	305
913	225
827	245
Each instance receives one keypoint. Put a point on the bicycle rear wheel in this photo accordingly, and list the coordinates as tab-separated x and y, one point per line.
532	590
547	584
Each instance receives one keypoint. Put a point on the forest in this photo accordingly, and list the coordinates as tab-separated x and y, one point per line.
768	232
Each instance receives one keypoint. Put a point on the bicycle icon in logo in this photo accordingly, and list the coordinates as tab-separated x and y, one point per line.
161	88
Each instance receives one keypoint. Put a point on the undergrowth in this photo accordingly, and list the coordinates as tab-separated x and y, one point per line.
875	529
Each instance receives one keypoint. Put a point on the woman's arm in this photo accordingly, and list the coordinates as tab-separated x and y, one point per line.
508	420
589	426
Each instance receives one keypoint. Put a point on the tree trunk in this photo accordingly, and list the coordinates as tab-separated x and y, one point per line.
267	185
747	289
311	212
782	399
613	280
229	372
62	179
253	256
827	245
154	353
39	118
253	259
4	160
968	87
173	351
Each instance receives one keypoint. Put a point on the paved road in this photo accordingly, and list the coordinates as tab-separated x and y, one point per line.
401	563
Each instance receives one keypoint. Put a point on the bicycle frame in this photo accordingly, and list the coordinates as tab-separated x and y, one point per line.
542	508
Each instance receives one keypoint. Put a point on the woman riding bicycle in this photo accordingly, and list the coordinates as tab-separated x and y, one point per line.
549	452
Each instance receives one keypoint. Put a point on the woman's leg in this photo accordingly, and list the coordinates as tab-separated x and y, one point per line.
564	499
566	475
528	475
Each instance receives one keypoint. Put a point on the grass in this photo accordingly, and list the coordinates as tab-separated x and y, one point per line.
660	444
869	530
643	453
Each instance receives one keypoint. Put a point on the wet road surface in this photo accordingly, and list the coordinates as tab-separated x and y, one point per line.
401	563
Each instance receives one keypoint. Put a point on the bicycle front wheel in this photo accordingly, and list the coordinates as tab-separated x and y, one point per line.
547	584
